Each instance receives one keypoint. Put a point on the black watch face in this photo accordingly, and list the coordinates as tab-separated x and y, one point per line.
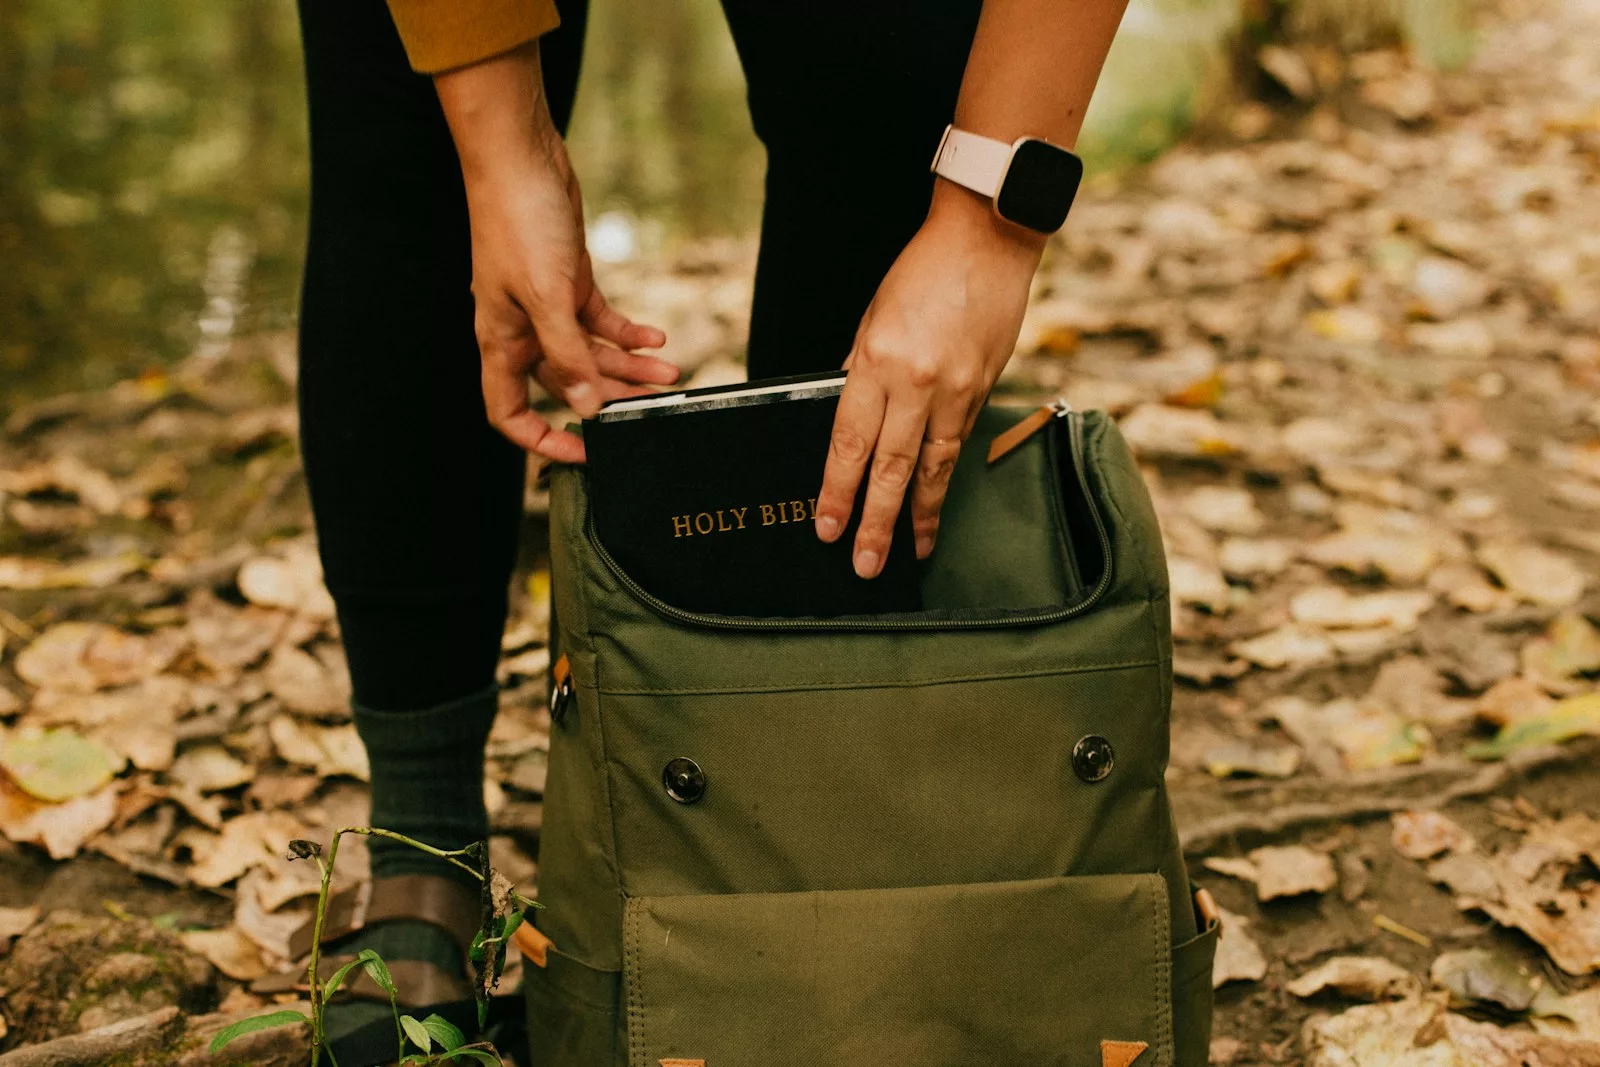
1039	187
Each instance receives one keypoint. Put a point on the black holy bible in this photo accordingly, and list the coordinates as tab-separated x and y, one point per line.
706	499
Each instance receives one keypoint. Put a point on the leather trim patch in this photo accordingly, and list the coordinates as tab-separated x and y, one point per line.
683	1063
1120	1053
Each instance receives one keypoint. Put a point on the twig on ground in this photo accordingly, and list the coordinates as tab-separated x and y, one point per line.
1471	780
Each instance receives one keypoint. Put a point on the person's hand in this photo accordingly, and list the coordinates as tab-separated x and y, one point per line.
539	314
933	341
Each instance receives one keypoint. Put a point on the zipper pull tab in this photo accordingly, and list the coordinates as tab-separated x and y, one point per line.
1009	441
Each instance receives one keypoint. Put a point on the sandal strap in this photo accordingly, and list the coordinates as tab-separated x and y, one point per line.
417	983
426	898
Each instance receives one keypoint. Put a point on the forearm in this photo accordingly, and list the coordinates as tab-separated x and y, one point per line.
497	112
1031	72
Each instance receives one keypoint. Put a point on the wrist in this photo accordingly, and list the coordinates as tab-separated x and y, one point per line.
498	115
970	218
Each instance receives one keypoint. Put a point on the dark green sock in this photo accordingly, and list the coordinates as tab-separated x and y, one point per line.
427	783
427	780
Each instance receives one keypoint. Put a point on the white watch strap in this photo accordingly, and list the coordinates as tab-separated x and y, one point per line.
968	159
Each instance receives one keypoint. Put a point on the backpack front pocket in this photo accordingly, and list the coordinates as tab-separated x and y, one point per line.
1058	972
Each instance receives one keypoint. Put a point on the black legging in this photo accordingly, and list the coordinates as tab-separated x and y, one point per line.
417	500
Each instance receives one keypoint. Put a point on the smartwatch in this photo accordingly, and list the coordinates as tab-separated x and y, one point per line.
1030	182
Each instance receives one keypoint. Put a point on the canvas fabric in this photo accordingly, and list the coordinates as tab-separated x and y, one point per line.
894	862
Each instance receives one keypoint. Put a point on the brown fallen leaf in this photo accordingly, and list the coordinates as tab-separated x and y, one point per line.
1527	888
1287	646
1163	430
227	639
1534	573
1512	700
1332	607
1420	1032
228	950
1479	977
82	657
1464	586
1251	557
1442	288
1238	958
250	840
63	828
1290	870
139	722
1242	757
1357	978
1366	734
1422	835
1401	1033
291	581
14	922
1570	646
1575	1015
209	769
1482	1044
1414	690
332	750
1224	509
1200	584
65	475
1279	870
20	572
1346	324
305	684
269	930
1404	559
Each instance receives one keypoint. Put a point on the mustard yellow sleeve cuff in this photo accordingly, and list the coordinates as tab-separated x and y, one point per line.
441	35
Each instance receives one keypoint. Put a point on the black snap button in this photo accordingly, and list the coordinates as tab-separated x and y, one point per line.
685	781
1092	758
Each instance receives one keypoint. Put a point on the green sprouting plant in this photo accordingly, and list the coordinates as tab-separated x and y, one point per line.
503	911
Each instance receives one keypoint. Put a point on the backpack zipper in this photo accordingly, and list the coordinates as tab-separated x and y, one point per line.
1008	442
1057	409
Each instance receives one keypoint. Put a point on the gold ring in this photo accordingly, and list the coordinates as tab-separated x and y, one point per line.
941	440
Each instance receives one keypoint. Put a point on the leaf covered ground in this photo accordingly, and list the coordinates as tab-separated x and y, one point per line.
1352	335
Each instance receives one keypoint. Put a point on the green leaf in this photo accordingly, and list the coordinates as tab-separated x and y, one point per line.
378	970
474	1054
417	1033
444	1032
254	1023
56	765
332	985
1566	719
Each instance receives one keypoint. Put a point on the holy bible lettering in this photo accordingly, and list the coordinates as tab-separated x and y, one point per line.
726	520
706	500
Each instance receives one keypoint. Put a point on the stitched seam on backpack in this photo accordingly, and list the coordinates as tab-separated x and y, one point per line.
1122	521
890	683
1161	930
630	967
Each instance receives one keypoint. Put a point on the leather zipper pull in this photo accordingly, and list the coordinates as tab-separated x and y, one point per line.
1008	442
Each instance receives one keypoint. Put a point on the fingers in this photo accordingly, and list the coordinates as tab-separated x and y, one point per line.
605	321
569	368
505	400
935	465
894	462
855	429
634	369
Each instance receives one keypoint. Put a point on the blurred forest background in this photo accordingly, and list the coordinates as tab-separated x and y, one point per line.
1336	272
153	159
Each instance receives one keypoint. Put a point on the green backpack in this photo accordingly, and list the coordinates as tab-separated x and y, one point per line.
921	840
